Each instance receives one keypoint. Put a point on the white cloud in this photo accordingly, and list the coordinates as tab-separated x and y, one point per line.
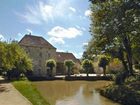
56	40
58	34
44	12
60	50
19	36
81	28
2	37
61	32
29	31
85	44
72	9
78	55
88	13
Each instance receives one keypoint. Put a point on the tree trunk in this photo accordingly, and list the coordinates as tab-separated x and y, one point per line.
121	57
51	71
68	71
127	46
104	70
87	72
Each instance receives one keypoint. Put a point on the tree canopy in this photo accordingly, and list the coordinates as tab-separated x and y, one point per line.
115	30
69	64
51	63
12	56
87	65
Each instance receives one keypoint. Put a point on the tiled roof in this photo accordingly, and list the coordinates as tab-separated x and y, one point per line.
37	41
62	56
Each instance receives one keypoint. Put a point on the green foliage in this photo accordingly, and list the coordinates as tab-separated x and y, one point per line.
124	94
12	56
51	63
120	77
131	79
137	66
87	65
115	65
103	62
30	92
69	64
115	30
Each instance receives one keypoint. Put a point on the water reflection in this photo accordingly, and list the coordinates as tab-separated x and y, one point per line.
73	93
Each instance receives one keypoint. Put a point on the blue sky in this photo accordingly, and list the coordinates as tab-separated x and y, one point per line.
64	23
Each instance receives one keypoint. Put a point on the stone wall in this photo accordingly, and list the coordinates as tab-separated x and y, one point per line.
39	55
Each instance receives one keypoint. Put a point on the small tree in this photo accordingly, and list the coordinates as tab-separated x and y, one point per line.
103	63
87	65
51	64
69	64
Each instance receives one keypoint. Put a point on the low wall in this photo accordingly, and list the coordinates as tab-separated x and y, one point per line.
91	78
71	78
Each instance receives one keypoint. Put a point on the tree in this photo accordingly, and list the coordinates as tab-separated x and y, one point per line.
87	65
103	63
69	64
115	27
14	58
51	64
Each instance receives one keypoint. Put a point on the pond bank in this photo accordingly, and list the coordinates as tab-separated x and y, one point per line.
26	88
126	94
71	78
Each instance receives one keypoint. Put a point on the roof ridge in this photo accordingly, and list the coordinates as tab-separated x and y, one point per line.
37	40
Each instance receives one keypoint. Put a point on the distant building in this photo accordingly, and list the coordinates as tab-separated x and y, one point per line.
41	50
61	57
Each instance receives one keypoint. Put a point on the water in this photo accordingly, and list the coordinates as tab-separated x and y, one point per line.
73	92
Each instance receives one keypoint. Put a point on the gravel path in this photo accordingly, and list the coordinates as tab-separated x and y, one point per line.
10	96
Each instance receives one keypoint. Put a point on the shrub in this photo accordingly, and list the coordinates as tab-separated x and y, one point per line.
137	66
120	77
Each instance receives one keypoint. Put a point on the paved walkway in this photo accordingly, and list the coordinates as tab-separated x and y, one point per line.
10	96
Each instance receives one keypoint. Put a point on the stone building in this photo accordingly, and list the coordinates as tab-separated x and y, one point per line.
61	57
39	51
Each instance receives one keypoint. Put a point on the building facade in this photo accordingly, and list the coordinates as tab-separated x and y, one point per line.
60	59
39	50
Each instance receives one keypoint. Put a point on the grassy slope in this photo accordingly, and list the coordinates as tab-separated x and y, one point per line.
30	92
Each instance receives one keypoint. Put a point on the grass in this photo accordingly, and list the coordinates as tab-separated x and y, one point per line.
26	88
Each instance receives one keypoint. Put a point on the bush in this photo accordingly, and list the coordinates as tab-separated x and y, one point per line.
115	66
122	94
137	66
120	77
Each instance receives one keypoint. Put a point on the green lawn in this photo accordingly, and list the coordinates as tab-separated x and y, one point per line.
26	88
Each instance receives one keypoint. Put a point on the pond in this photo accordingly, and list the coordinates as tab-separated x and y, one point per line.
73	92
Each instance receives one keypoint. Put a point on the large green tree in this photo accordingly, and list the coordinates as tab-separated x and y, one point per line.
115	29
